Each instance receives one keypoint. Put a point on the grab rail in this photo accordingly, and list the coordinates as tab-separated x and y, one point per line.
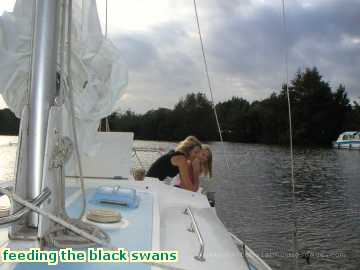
195	228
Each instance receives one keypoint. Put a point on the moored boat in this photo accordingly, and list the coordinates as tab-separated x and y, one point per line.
348	140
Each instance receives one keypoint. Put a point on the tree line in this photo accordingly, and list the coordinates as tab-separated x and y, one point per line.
319	114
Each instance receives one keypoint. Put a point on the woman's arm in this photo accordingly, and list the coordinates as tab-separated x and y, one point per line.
196	173
181	163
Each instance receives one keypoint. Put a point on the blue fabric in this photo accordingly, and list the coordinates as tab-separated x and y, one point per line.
116	195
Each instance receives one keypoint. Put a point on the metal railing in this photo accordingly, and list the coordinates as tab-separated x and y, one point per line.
154	150
195	229
249	254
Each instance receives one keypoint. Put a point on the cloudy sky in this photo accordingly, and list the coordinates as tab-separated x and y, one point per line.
244	43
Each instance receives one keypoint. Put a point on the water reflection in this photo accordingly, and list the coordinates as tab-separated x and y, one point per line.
258	194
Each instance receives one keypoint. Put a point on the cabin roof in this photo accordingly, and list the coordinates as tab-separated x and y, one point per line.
350	133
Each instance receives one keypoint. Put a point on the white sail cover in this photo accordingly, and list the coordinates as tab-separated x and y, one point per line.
97	70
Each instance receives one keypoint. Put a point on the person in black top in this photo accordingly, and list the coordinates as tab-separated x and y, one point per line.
175	162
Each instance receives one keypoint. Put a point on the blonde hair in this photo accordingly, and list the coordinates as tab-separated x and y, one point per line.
206	166
187	145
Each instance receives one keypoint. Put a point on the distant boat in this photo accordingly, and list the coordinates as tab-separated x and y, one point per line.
348	140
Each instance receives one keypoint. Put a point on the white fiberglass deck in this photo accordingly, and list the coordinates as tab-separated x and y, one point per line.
134	232
159	223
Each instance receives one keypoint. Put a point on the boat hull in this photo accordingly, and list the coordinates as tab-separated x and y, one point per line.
347	145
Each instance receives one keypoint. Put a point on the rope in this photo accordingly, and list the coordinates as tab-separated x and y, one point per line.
103	216
209	84
106	19
286	49
107	126
62	49
31	57
71	98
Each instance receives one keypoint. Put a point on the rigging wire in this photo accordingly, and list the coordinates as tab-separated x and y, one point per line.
286	62
209	83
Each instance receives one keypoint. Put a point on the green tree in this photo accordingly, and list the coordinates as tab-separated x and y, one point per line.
194	115
271	120
316	109
9	123
235	119
318	116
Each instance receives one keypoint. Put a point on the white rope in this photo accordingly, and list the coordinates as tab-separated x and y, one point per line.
107	126
31	57
71	99
106	19
103	215
286	49
209	84
100	126
62	48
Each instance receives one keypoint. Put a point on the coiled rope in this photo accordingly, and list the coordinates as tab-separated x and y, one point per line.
286	63
209	84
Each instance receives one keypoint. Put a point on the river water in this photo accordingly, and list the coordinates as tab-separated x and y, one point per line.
254	200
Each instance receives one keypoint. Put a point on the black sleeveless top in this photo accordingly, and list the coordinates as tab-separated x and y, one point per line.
163	168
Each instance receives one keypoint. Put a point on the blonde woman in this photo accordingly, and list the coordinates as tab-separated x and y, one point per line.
200	166
205	158
176	162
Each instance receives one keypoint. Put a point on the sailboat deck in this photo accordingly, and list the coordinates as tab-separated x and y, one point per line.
134	232
158	223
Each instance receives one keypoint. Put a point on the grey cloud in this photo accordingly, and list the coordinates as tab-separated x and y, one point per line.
245	50
137	50
252	46
161	66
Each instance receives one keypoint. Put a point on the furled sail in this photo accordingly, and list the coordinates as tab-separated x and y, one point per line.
97	70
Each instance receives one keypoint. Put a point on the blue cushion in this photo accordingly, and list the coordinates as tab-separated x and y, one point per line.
116	195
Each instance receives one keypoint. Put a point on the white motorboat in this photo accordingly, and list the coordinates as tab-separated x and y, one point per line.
70	64
348	140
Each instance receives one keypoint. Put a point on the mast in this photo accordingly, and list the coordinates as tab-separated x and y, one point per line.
43	92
